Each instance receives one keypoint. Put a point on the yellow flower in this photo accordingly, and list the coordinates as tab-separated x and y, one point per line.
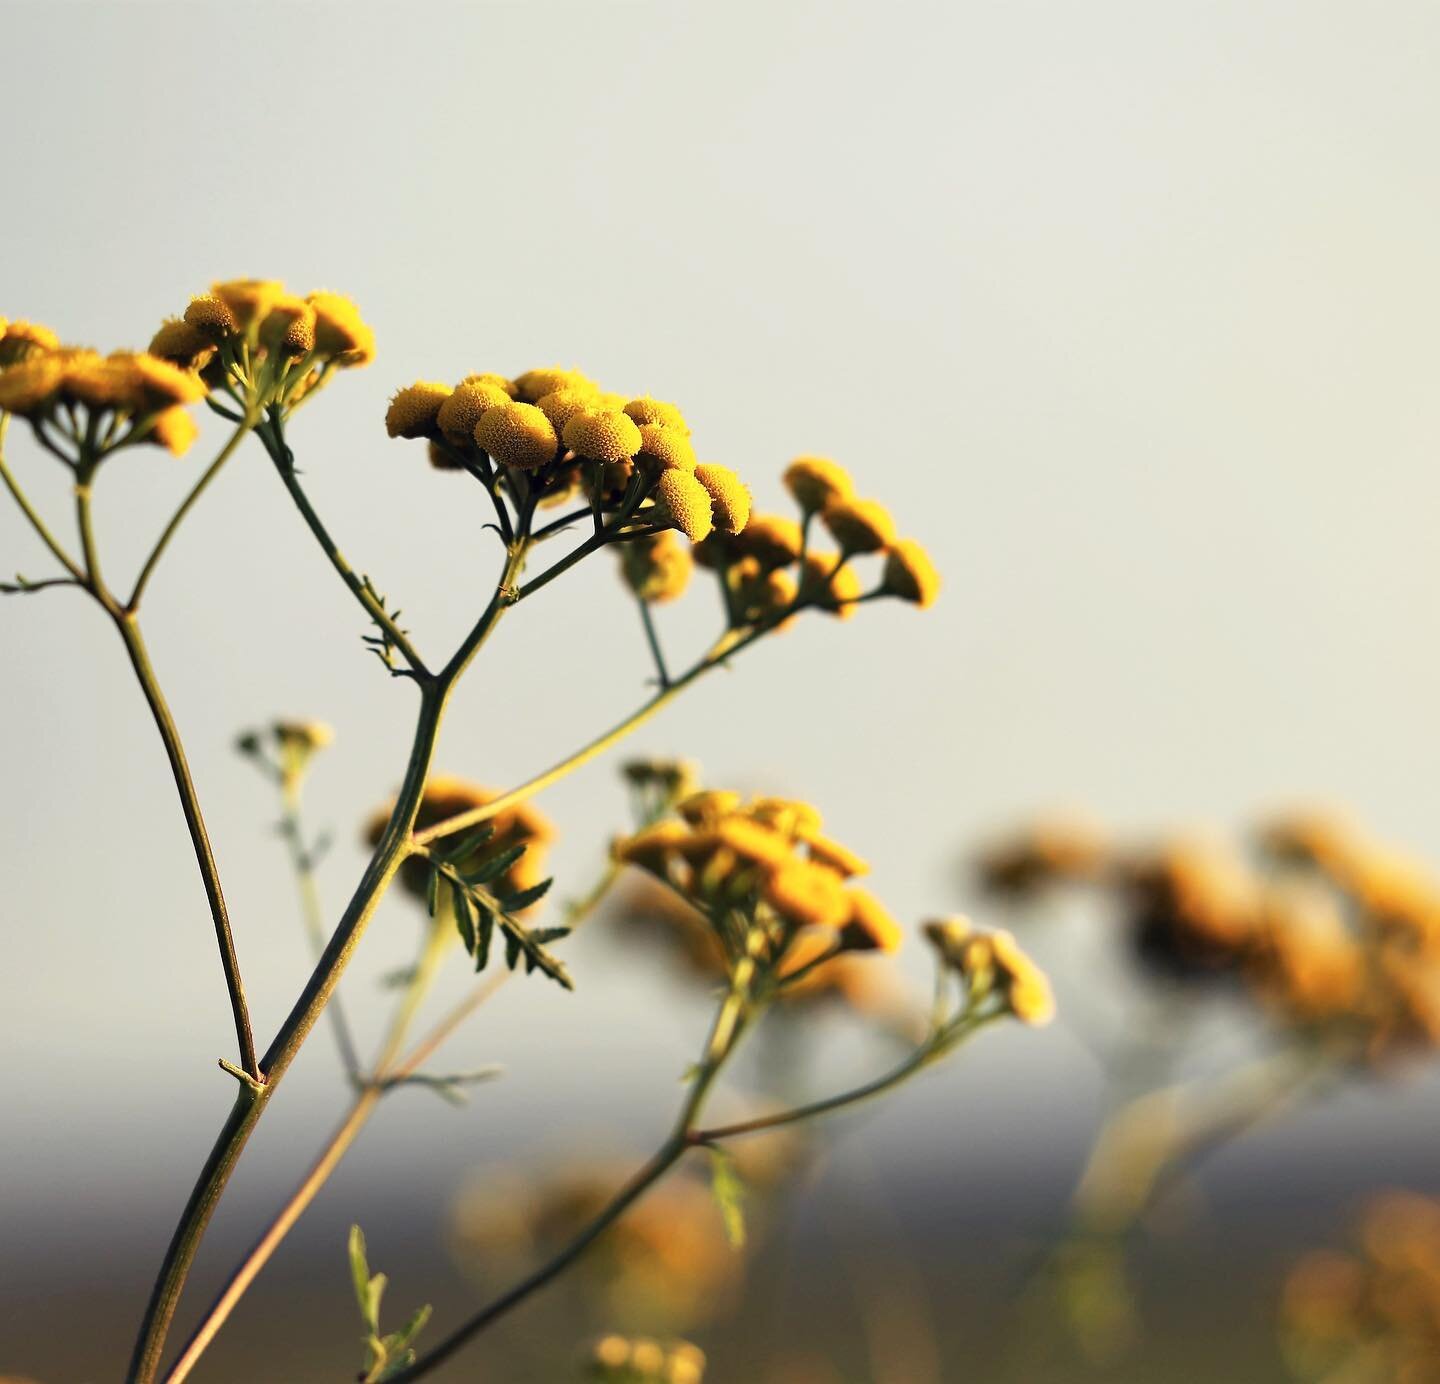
870	926
1026	986
414	410
771	539
211	317
807	894
490	377
306	736
162	381
669	446
249	300
653	848
100	381
657	569
29	387
648	410
761	594
791	816
707	807
20	340
729	497
181	344
516	435
563	404
833	591
859	526
602	436
681	502
910	575
536	384
949	936
816	482
174	429
289	325
753	841
461	411
839	858
341	334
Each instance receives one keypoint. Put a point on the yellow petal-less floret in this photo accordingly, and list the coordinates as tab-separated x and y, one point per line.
563	404
341	334
173	429
516	435
211	317
870	926
657	569
771	539
681	502
21	340
729	496
536	384
816	482
807	894
859	526
602	435
29	387
414	410
669	447
910	575
181	344
648	410
462	410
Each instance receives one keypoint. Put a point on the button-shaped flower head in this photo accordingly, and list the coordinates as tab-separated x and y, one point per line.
415	410
517	435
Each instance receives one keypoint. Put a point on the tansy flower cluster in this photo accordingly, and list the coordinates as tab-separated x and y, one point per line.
991	965
639	1360
1373	1313
769	885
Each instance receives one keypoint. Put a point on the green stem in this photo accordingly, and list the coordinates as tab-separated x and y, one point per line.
30	512
652	637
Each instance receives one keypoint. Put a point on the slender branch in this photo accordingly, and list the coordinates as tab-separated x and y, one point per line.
652	637
198	489
21	587
30	512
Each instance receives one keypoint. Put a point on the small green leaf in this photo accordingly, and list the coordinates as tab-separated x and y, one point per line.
411	1329
729	1193
543	936
373	1293
482	944
359	1268
512	949
515	903
495	866
432	891
468	844
465	919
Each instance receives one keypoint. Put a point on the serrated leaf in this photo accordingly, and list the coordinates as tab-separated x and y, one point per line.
465	919
516	903
729	1192
359	1267
495	866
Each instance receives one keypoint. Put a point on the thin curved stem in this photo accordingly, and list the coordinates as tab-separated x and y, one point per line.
188	503
652	638
33	515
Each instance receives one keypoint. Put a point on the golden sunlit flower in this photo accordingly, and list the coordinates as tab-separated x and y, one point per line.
668	446
753	841
100	381
181	344
707	807
816	482
870	926
536	384
20	340
563	404
729	496
648	410
602	435
174	429
832	587
807	894
516	435
839	858
859	526
490	377
653	848
162	382
289	325
28	387
910	575
1058	847
657	569
1026	985
341	334
463	408
414	410
211	317
762	593
249	300
681	502
792	816
771	539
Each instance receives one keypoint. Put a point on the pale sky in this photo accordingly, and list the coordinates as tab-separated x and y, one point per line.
1127	311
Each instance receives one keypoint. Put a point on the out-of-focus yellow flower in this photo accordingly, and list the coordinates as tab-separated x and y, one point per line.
414	411
807	894
994	961
1058	847
562	405
181	344
910	575
1305	962
602	435
870	926
536	384
490	377
100	381
761	593
211	316
289	326
174	429
657	569
729	496
1026	985
668	447
463	408
831	587
682	502
816	482
162	382
790	816
29	387
859	526
771	539
708	807
839	858
249	300
20	340
656	411
516	435
341	334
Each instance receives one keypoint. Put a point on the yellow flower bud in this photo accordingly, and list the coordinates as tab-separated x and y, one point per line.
516	435
807	894
910	575
562	405
461	411
870	926
341	334
657	569
249	300
667	446
602	436
707	807
28	388
816	482
414	410
831	590
181	344
681	502
839	858
859	526
21	340
211	317
648	410
536	384
173	429
771	539
729	497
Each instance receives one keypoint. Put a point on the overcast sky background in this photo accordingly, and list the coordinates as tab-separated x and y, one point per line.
1126	310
